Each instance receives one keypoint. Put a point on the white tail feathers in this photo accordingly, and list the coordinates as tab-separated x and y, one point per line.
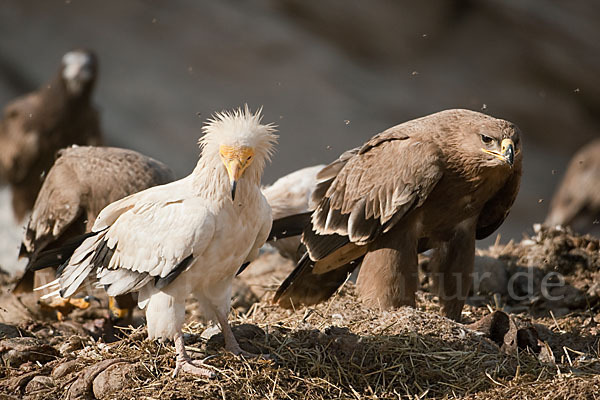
55	284
54	294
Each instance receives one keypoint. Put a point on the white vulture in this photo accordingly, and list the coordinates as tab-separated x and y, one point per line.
186	237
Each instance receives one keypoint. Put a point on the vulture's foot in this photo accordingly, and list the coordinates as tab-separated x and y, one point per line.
194	367
185	363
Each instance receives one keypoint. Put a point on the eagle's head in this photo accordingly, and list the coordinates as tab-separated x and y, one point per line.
78	71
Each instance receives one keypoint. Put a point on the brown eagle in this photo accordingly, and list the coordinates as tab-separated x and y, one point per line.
577	201
35	126
438	182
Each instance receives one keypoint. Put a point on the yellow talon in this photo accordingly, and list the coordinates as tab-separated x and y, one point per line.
63	306
116	313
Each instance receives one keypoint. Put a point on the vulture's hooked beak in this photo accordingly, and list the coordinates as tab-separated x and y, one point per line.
235	169
236	161
233	186
507	152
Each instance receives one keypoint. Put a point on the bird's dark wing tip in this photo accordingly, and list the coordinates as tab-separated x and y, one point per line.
292	225
242	268
56	257
23	252
160	283
305	262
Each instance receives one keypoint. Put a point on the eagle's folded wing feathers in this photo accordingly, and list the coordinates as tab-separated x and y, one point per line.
367	197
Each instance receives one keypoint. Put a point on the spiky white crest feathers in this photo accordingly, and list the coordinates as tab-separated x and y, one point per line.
239	128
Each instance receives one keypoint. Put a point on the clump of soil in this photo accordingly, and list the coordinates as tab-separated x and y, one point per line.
338	349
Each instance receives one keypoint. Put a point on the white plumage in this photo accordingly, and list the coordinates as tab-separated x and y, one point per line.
186	237
290	195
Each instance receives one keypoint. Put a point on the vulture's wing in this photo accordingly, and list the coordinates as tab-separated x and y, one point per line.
497	208
142	238
303	287
289	196
367	191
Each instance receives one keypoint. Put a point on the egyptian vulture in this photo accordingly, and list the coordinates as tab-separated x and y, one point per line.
82	181
577	200
186	237
436	182
35	126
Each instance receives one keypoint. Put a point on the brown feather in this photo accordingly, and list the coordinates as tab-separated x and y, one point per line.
412	187
35	126
577	200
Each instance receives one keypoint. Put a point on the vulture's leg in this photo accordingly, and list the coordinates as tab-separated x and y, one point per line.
452	269
185	363
231	343
388	274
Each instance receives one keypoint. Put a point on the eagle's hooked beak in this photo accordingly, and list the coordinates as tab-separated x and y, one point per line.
507	152
236	160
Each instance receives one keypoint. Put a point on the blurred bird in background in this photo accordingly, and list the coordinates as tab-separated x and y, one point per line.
35	126
576	202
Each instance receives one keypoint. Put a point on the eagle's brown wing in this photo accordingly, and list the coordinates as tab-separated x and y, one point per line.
367	191
497	208
363	194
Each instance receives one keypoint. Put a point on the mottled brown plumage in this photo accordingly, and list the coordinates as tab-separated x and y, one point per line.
438	182
36	125
577	200
83	181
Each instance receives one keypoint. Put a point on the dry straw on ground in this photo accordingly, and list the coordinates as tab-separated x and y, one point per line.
339	349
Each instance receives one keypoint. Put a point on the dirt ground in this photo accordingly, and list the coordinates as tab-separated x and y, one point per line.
530	331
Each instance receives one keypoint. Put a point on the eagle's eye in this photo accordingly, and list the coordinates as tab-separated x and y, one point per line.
486	139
